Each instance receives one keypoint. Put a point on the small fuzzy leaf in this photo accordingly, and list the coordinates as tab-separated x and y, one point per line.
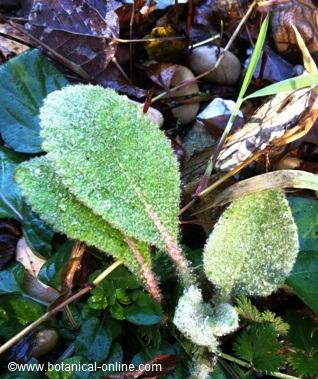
253	247
114	160
51	200
24	82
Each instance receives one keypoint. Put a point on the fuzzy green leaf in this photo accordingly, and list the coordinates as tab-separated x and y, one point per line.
253	247
24	82
114	160
51	200
259	346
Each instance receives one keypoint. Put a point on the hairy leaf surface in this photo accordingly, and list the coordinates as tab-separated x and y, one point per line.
48	197
114	160
253	247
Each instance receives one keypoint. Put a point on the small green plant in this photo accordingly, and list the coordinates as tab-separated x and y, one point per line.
253	247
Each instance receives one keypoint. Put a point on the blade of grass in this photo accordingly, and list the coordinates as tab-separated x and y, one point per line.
292	84
246	82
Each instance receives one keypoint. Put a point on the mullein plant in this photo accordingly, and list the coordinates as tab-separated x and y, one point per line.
110	178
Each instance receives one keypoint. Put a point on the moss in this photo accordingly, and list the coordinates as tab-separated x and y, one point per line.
253	247
113	159
48	197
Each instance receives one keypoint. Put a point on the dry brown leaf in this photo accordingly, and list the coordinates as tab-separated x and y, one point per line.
279	117
303	14
8	47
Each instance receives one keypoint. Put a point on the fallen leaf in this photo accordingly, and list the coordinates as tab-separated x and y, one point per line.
28	259
301	13
276	117
8	47
84	32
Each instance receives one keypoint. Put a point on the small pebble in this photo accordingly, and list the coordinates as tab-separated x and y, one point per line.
204	58
184	113
45	341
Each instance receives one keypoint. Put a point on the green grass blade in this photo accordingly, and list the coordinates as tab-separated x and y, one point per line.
254	58
287	85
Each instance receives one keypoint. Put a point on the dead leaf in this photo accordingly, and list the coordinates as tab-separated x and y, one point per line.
275	119
32	263
301	13
8	47
83	31
28	259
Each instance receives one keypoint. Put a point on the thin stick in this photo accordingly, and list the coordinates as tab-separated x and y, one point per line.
226	48
60	306
247	365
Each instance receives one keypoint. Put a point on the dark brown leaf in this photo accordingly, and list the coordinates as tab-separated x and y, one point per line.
83	31
301	13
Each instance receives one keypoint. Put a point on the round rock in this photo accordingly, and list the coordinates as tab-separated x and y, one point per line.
204	58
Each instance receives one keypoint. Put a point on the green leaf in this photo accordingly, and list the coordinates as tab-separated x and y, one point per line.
287	85
24	82
253	246
37	233
114	160
144	310
51	273
258	345
304	278
10	197
305	213
103	295
304	364
117	311
65	374
11	279
20	309
94	340
303	337
66	214
248	311
303	332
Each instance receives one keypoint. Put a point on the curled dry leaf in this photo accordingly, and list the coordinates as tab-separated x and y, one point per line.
303	14
271	180
84	32
281	117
